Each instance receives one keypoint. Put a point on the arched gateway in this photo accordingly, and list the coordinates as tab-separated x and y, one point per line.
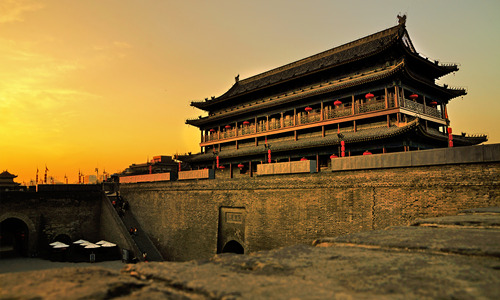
233	247
17	235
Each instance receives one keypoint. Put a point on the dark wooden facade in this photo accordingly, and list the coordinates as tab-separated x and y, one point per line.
375	94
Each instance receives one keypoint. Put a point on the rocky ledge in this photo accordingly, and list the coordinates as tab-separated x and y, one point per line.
454	257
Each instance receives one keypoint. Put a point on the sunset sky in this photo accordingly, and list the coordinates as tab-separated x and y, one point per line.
107	83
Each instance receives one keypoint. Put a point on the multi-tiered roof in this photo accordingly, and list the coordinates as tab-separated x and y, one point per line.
271	105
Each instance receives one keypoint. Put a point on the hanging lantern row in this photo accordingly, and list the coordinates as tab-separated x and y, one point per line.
308	109
337	102
413	96
369	96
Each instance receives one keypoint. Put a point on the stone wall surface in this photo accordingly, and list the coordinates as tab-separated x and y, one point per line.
48	213
182	217
453	257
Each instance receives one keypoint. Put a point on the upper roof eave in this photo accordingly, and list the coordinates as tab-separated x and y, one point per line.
385	37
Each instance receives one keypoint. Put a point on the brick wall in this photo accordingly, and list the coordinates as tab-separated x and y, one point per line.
182	217
53	211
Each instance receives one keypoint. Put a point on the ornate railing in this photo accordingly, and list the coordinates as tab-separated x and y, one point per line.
419	108
370	106
329	112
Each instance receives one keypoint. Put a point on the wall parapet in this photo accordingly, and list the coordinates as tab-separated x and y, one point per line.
433	157
145	178
293	167
197	174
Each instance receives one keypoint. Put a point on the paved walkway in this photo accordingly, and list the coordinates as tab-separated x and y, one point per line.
23	264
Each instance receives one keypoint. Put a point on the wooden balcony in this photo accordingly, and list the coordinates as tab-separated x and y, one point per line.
329	115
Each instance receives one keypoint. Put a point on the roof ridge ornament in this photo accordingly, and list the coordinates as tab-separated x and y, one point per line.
237	78
402	19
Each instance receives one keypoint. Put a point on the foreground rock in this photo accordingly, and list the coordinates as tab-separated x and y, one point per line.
445	258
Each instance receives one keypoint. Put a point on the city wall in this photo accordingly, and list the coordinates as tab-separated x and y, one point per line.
189	220
70	210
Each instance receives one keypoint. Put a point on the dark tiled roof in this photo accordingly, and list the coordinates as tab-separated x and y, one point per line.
458	140
351	137
316	89
348	137
349	52
6	174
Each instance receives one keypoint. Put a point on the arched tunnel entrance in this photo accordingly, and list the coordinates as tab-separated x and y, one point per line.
233	247
14	238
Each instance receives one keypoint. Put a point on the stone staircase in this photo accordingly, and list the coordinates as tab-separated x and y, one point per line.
140	237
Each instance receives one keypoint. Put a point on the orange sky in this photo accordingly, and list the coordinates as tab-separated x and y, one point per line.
107	83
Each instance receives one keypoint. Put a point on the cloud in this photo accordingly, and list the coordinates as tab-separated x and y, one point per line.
13	10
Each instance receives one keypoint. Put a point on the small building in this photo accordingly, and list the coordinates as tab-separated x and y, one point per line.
159	164
7	182
376	94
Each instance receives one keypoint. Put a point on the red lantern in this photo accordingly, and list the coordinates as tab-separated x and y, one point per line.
449	130
333	156
246	123
241	166
217	161
222	167
337	102
369	96
367	153
212	130
303	159
308	109
433	103
228	126
413	96
269	156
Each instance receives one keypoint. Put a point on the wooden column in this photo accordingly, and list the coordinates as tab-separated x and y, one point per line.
267	123
354	123
230	170
396	100
295	134
236	128
425	106
218	133
250	168
321	117
353	109
281	121
294	117
255	125
388	121
256	142
386	100
317	162
236	145
201	132
323	131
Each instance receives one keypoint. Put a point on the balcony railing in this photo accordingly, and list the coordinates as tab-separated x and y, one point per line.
419	108
329	112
